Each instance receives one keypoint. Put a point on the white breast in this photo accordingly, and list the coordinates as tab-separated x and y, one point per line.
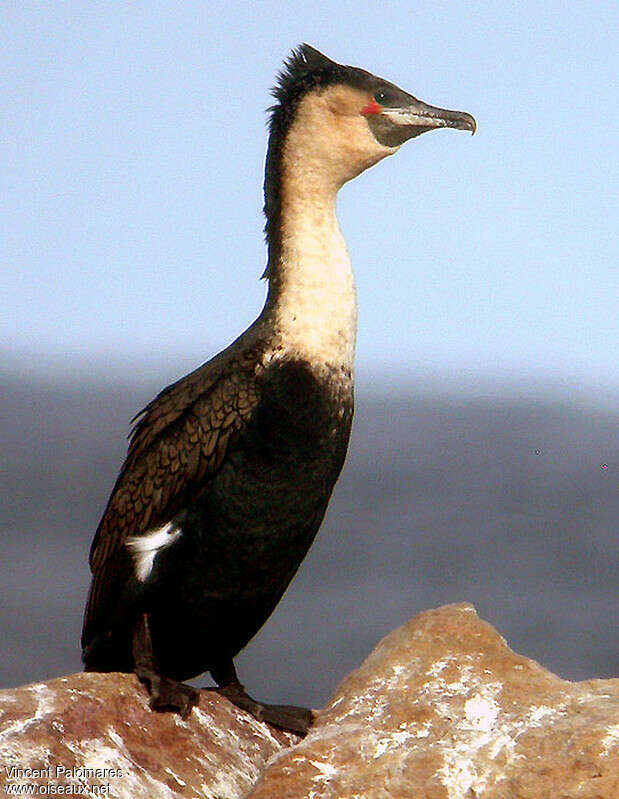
316	307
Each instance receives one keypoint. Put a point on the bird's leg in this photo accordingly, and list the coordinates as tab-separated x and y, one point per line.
288	717
165	693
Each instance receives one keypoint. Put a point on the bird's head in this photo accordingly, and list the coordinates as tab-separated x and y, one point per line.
331	122
343	119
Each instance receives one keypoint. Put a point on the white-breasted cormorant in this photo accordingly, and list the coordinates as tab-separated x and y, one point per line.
229	470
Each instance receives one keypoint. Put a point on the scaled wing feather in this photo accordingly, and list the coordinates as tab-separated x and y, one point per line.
179	440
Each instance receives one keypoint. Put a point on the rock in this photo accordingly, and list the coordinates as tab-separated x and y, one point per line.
56	730
443	709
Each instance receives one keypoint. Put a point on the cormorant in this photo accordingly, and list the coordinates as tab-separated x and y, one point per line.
230	469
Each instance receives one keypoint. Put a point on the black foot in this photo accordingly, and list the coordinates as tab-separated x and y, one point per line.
287	717
168	694
165	693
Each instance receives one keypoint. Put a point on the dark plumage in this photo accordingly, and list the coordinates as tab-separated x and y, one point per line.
215	452
229	470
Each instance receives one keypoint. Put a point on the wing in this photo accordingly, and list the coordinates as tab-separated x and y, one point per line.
179	441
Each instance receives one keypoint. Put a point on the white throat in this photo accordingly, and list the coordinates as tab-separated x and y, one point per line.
313	300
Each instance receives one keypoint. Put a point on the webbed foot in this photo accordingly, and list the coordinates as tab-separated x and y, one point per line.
287	717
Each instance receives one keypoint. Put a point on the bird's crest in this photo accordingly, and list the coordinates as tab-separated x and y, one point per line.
305	67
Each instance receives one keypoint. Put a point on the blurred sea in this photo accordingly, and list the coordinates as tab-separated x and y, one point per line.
510	502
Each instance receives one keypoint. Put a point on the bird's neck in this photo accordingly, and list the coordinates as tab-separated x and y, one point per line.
312	298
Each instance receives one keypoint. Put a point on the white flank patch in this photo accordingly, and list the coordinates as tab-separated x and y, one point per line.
145	548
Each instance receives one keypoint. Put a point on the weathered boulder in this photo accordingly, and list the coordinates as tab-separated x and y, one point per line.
94	734
443	709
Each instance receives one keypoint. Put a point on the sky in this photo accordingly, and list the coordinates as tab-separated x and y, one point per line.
132	146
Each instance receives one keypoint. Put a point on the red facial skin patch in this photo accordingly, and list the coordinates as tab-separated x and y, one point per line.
371	108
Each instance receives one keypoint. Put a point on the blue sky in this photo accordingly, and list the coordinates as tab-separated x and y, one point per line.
132	149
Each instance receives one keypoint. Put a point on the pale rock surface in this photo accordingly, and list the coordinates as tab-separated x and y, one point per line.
443	709
102	721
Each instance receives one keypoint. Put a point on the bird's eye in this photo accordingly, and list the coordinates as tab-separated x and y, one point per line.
381	97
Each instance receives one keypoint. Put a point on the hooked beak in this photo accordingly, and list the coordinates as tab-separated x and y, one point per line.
419	117
393	125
